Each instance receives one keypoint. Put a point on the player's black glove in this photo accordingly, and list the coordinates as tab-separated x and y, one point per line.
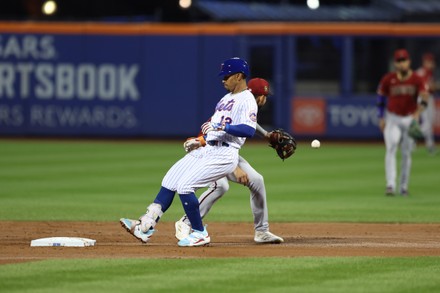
282	142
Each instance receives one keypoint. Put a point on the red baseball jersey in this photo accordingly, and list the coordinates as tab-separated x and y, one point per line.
401	94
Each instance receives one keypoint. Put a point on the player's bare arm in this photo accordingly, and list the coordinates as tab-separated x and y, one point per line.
262	132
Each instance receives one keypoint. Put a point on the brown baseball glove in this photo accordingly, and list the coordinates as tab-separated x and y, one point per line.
283	143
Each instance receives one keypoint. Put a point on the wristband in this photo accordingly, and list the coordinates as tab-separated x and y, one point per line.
202	140
381	103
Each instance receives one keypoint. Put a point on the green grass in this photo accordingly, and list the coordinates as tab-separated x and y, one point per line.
352	274
102	181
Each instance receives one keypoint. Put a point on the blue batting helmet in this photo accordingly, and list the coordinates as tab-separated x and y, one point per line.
234	65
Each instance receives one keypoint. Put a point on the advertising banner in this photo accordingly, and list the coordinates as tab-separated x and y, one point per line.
69	84
335	117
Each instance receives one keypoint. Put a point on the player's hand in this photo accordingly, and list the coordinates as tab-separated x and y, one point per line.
206	127
241	176
211	126
191	144
267	136
381	124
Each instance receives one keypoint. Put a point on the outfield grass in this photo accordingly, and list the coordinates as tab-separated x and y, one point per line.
99	181
352	274
103	181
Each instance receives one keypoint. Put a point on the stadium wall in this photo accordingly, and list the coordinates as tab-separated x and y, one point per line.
151	80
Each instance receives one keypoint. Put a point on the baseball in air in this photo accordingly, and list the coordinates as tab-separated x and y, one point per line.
316	144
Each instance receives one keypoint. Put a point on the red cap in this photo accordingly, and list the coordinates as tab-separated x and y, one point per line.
428	56
259	86
401	54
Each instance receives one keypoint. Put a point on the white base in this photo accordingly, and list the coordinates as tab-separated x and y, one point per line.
63	241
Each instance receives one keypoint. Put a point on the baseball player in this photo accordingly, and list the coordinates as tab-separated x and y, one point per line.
402	97
243	174
234	120
426	72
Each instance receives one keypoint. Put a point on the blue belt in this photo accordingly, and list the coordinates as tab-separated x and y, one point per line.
217	143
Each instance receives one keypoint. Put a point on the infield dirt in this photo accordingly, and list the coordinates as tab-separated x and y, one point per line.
227	240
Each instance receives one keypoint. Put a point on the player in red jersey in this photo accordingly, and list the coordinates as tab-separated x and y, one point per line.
402	97
426	72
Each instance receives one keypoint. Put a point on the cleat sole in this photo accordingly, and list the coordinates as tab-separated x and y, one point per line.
130	231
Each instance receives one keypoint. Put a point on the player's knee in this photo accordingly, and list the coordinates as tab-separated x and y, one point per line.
256	181
185	189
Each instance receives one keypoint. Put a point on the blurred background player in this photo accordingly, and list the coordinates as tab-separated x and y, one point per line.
404	96
243	174
234	119
427	117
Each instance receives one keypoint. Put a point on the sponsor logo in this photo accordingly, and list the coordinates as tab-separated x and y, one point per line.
352	116
31	66
61	93
308	116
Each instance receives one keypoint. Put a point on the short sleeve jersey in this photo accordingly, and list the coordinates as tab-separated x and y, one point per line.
235	109
401	94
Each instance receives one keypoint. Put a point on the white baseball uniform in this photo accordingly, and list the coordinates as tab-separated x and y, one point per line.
205	165
257	196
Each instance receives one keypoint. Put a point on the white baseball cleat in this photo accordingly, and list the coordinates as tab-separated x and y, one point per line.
129	224
134	228
267	237
182	229
196	238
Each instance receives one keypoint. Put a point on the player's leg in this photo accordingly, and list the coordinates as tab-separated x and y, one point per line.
167	192
428	120
206	171
143	228
175	179
174	174
208	198
407	147
258	203
214	165
392	135
214	192
257	196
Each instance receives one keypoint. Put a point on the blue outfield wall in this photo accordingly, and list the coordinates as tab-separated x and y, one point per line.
146	85
102	85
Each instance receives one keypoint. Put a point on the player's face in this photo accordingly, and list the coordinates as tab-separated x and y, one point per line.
402	64
261	100
231	81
